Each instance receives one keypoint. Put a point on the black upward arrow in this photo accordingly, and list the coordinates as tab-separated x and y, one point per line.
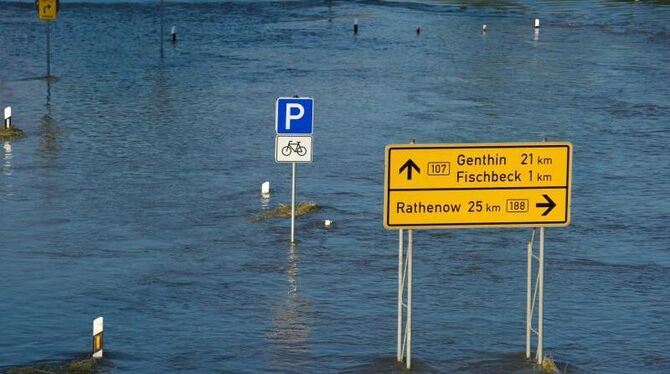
550	204
409	165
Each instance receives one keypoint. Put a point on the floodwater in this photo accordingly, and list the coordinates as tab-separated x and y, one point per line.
132	193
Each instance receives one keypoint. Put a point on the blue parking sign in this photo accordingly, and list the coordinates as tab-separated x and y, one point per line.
294	115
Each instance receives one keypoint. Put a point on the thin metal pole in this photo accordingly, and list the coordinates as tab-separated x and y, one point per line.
540	307
529	315
400	287
161	11
408	325
48	49
293	206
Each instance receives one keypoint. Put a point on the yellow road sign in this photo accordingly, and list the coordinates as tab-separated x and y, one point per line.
477	185
47	9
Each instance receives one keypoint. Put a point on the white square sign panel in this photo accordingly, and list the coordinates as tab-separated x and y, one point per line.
293	148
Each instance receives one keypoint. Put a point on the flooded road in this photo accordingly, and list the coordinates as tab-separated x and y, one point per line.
132	194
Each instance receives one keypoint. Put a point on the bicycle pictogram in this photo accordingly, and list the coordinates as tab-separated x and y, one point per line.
294	147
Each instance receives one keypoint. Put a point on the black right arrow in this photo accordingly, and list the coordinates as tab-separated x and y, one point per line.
409	165
550	204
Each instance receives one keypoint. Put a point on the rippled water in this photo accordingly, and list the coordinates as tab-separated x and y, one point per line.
131	195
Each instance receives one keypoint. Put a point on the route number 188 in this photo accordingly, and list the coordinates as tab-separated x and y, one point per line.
517	205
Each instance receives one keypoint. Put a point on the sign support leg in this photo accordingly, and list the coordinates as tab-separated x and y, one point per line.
404	347
408	326
48	49
529	311
400	292
540	306
293	205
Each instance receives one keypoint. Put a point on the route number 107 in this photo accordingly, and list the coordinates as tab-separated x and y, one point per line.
438	168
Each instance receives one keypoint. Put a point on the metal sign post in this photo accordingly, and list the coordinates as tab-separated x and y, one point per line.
48	49
401	285
408	324
293	205
529	310
540	306
161	13
537	296
404	343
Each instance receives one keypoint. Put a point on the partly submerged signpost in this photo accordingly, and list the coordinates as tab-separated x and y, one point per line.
438	186
294	124
47	10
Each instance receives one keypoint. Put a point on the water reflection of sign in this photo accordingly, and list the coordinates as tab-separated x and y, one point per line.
47	9
477	185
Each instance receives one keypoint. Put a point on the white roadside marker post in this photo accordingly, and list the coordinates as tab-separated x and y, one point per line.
265	189
173	34
355	25
98	340
8	117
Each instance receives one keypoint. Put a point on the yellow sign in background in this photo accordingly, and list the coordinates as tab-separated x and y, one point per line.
475	185
47	9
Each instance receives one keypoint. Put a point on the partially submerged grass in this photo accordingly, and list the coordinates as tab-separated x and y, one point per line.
83	366
11	133
549	366
284	211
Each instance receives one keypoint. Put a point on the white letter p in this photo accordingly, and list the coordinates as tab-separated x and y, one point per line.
289	116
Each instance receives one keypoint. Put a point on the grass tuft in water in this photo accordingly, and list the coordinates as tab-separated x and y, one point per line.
284	211
549	366
83	366
10	133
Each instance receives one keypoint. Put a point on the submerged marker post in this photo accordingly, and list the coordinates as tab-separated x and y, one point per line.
98	340
8	131
8	117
